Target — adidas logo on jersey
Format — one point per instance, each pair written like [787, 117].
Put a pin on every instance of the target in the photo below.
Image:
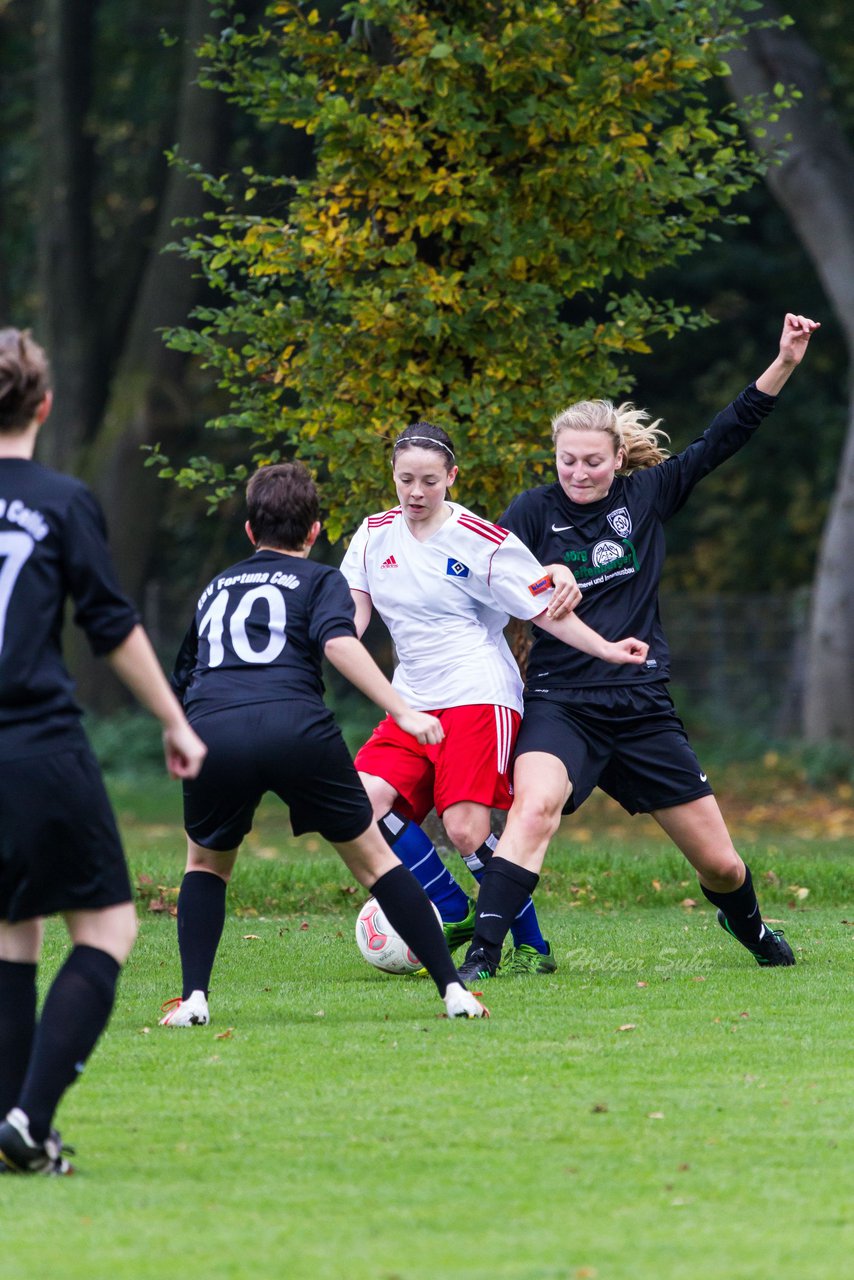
[391, 563]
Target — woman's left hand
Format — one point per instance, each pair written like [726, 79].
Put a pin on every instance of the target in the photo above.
[567, 592]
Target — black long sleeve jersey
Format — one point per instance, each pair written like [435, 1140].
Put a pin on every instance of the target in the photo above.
[53, 547]
[258, 633]
[615, 548]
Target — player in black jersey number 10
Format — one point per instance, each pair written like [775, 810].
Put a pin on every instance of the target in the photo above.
[249, 675]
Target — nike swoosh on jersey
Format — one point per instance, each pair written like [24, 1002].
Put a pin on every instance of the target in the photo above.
[561, 528]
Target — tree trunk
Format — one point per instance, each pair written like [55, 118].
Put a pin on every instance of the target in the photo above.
[814, 186]
[147, 401]
[108, 404]
[67, 319]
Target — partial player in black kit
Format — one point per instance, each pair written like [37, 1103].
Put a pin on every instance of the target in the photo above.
[59, 848]
[589, 724]
[249, 675]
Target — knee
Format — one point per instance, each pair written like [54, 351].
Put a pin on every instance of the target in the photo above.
[465, 834]
[130, 932]
[380, 793]
[724, 873]
[119, 935]
[537, 814]
[213, 861]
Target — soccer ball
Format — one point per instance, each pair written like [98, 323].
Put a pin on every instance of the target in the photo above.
[380, 944]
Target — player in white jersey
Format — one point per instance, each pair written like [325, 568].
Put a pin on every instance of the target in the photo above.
[444, 581]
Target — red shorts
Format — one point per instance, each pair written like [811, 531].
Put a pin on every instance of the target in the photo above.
[471, 763]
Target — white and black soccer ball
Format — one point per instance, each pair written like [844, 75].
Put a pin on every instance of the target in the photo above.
[380, 944]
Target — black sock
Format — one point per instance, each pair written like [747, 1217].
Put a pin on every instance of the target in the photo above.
[17, 1028]
[201, 919]
[75, 1013]
[740, 908]
[503, 891]
[409, 911]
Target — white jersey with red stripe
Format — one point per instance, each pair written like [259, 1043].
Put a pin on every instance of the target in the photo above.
[446, 602]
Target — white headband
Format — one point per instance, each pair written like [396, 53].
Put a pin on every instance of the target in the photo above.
[401, 440]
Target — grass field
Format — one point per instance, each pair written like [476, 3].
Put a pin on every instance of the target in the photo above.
[661, 1108]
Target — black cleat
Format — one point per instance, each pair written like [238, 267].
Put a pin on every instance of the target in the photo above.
[477, 967]
[20, 1154]
[772, 948]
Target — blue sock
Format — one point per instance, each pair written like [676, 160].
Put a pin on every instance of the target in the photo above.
[526, 927]
[416, 851]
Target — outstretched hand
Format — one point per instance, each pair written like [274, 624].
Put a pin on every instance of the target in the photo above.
[794, 340]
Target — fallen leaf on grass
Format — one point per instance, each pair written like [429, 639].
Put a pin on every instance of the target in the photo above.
[655, 1115]
[320, 1013]
[228, 1034]
[641, 984]
[251, 937]
[628, 1026]
[698, 977]
[688, 903]
[305, 925]
[599, 1108]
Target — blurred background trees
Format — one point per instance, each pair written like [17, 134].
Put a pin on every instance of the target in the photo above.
[94, 95]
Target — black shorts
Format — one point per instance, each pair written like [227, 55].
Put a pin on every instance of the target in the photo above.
[294, 749]
[628, 740]
[59, 846]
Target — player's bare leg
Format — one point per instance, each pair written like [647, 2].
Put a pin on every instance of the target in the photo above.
[699, 831]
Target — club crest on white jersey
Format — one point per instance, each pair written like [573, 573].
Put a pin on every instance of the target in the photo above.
[456, 569]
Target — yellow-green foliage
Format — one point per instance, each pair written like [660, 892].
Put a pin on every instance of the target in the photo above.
[491, 180]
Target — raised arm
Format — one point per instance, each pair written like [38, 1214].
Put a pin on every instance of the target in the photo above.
[135, 663]
[794, 340]
[349, 656]
[573, 631]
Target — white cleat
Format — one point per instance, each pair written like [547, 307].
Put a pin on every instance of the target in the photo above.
[460, 1003]
[192, 1012]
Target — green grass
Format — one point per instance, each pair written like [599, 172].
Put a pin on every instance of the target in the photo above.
[660, 1109]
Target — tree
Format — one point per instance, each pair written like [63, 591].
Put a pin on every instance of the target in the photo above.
[101, 203]
[492, 180]
[814, 183]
